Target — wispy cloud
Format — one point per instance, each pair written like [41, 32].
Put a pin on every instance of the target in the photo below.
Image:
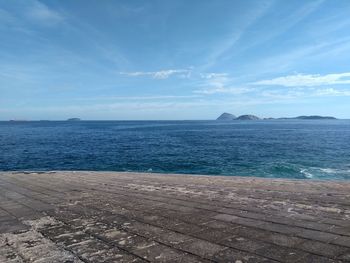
[285, 23]
[28, 17]
[6, 17]
[224, 90]
[141, 98]
[332, 92]
[217, 80]
[307, 80]
[260, 11]
[283, 95]
[187, 73]
[40, 12]
[213, 75]
[298, 94]
[161, 74]
[248, 19]
[219, 83]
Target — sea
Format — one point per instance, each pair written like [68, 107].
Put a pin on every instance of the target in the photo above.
[297, 149]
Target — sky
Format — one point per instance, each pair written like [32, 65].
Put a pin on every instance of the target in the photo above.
[173, 59]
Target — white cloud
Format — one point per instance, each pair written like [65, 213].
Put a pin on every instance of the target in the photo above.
[216, 80]
[308, 80]
[162, 74]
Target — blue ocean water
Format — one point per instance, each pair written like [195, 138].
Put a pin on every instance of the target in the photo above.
[315, 149]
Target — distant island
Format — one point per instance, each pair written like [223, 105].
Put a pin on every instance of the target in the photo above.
[74, 119]
[230, 117]
[226, 117]
[248, 118]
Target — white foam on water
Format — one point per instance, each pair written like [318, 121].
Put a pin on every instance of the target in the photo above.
[335, 171]
[329, 170]
[325, 173]
[306, 173]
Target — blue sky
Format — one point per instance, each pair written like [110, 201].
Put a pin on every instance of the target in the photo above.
[173, 59]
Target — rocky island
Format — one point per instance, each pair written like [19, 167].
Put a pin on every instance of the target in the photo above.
[74, 119]
[248, 118]
[226, 117]
[230, 117]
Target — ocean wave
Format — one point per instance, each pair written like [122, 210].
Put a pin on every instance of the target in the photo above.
[301, 171]
[306, 173]
[325, 173]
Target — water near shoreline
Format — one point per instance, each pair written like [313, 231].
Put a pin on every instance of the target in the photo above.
[284, 148]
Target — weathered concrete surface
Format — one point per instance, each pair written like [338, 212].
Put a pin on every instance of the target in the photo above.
[129, 217]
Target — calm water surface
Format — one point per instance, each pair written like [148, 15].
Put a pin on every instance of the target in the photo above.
[284, 148]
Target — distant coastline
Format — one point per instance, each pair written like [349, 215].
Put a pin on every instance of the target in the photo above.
[25, 120]
[312, 117]
[230, 117]
[74, 119]
[223, 117]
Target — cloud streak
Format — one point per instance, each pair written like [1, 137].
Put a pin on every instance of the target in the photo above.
[224, 90]
[332, 92]
[219, 83]
[41, 12]
[141, 98]
[161, 74]
[249, 18]
[307, 80]
[213, 75]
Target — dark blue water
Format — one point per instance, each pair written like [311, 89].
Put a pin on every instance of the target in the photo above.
[285, 149]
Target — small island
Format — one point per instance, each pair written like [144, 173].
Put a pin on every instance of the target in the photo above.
[74, 119]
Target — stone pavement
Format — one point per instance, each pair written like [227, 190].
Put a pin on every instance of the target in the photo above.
[133, 217]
